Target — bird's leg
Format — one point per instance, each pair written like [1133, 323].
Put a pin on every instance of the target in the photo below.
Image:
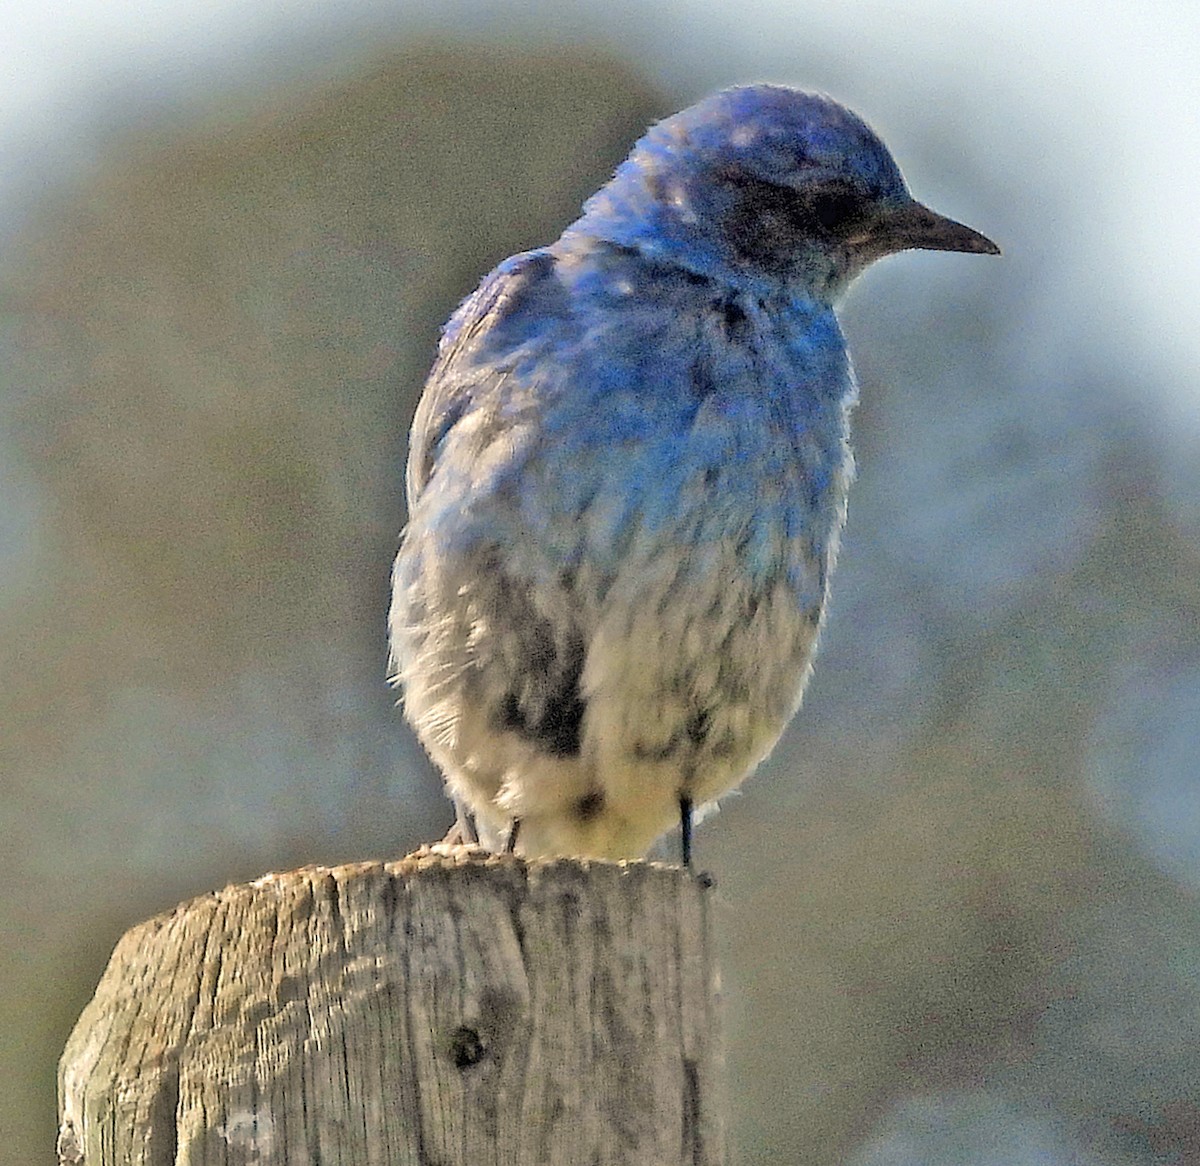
[510, 841]
[685, 830]
[464, 831]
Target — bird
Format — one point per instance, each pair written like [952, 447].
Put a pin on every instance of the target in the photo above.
[628, 474]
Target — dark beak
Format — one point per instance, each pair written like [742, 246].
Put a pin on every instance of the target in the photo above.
[915, 227]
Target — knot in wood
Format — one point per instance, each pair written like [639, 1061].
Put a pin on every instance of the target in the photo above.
[466, 1047]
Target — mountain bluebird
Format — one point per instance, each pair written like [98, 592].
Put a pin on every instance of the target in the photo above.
[627, 478]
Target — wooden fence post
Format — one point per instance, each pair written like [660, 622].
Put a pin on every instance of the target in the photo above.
[446, 1009]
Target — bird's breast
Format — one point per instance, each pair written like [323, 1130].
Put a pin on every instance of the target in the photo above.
[740, 443]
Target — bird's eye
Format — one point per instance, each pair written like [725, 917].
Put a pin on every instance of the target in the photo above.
[834, 211]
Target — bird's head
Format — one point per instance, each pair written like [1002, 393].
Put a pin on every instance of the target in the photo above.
[766, 184]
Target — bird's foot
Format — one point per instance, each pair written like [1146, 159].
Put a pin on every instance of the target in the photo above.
[510, 839]
[685, 830]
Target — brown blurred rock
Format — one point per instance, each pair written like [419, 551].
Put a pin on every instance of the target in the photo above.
[219, 343]
[223, 336]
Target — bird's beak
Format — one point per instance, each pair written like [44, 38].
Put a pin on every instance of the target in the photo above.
[915, 226]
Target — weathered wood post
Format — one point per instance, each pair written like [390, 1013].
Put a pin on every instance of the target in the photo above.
[446, 1009]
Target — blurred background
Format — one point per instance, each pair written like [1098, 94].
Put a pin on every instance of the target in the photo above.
[958, 907]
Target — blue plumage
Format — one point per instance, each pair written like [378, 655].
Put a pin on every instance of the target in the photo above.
[628, 473]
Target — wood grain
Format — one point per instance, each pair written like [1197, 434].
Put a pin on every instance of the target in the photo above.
[448, 1008]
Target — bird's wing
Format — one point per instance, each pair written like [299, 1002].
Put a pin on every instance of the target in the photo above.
[455, 381]
[524, 674]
